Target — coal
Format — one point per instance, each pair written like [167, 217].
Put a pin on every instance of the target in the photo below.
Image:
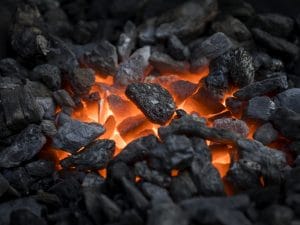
[182, 89]
[73, 135]
[63, 98]
[84, 31]
[18, 217]
[103, 58]
[234, 105]
[260, 108]
[110, 209]
[277, 214]
[6, 188]
[176, 49]
[82, 80]
[275, 24]
[154, 101]
[155, 192]
[233, 28]
[133, 69]
[19, 179]
[279, 45]
[234, 125]
[266, 134]
[146, 33]
[116, 171]
[94, 156]
[48, 127]
[40, 168]
[27, 144]
[11, 68]
[38, 89]
[165, 64]
[50, 75]
[127, 41]
[262, 87]
[289, 99]
[216, 83]
[241, 68]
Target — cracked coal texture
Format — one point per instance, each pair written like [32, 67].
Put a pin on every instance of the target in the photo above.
[154, 101]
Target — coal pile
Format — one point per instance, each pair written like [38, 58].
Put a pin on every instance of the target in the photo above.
[149, 112]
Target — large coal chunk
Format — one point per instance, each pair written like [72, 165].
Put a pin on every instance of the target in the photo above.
[82, 80]
[26, 145]
[266, 134]
[94, 156]
[287, 122]
[40, 168]
[127, 41]
[103, 58]
[50, 75]
[234, 125]
[73, 135]
[279, 45]
[11, 68]
[154, 101]
[260, 108]
[262, 87]
[289, 99]
[241, 67]
[134, 69]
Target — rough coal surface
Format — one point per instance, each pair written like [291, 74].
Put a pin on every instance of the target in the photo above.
[260, 108]
[289, 99]
[82, 80]
[63, 98]
[234, 125]
[266, 134]
[176, 48]
[50, 75]
[154, 101]
[11, 68]
[40, 168]
[127, 41]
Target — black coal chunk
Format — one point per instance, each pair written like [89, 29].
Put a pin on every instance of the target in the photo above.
[116, 171]
[6, 188]
[176, 49]
[287, 122]
[94, 156]
[154, 101]
[155, 192]
[11, 68]
[235, 125]
[127, 41]
[103, 58]
[216, 83]
[50, 75]
[73, 135]
[133, 69]
[260, 108]
[26, 145]
[289, 99]
[48, 127]
[241, 67]
[279, 45]
[82, 80]
[262, 87]
[18, 217]
[40, 168]
[165, 64]
[19, 179]
[271, 161]
[63, 98]
[266, 134]
[277, 215]
[234, 105]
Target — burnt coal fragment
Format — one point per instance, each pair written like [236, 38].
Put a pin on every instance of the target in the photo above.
[84, 31]
[176, 49]
[260, 108]
[234, 105]
[63, 98]
[287, 122]
[116, 171]
[50, 75]
[216, 83]
[19, 179]
[127, 41]
[234, 125]
[289, 99]
[133, 69]
[103, 58]
[262, 87]
[40, 168]
[146, 35]
[154, 101]
[11, 68]
[279, 45]
[48, 107]
[6, 188]
[26, 145]
[182, 89]
[82, 80]
[154, 192]
[73, 135]
[48, 127]
[266, 134]
[241, 69]
[94, 156]
[18, 217]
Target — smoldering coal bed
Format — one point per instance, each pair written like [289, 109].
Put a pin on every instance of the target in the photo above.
[149, 112]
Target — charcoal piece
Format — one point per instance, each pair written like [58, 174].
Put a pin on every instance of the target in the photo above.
[217, 83]
[93, 181]
[116, 171]
[26, 145]
[118, 106]
[289, 99]
[93, 207]
[234, 125]
[42, 184]
[137, 150]
[63, 98]
[244, 175]
[137, 199]
[261, 88]
[19, 179]
[50, 75]
[154, 101]
[234, 105]
[19, 107]
[182, 187]
[201, 149]
[266, 134]
[142, 170]
[165, 64]
[103, 58]
[240, 9]
[94, 156]
[241, 69]
[11, 68]
[146, 33]
[40, 168]
[48, 127]
[134, 69]
[155, 192]
[67, 190]
[110, 209]
[193, 127]
[166, 214]
[233, 28]
[279, 45]
[47, 106]
[73, 135]
[287, 122]
[127, 41]
[206, 178]
[6, 188]
[82, 80]
[92, 97]
[8, 207]
[271, 161]
[176, 49]
[182, 89]
[176, 153]
[277, 215]
[18, 217]
[38, 89]
[260, 108]
[275, 24]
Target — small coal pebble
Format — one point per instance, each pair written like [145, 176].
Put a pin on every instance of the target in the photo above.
[266, 134]
[82, 80]
[48, 74]
[234, 125]
[289, 99]
[260, 108]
